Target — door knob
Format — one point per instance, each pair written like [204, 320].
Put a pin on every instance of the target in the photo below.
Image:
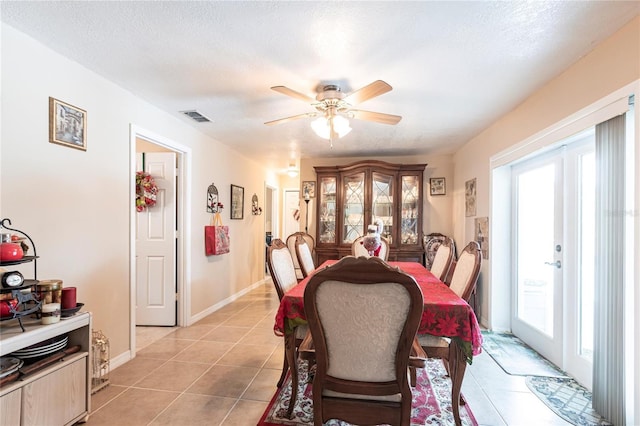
[557, 264]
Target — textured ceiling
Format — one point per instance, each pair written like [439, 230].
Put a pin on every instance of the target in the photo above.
[455, 66]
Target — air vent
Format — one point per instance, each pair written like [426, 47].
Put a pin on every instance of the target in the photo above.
[196, 116]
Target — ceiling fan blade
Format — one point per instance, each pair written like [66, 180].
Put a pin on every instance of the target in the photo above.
[372, 90]
[294, 117]
[290, 92]
[378, 117]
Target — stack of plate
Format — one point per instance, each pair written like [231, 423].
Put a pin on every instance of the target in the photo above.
[9, 365]
[42, 349]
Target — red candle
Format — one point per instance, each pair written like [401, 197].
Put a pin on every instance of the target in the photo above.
[69, 298]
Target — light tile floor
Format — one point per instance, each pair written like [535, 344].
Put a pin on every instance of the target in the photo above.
[223, 371]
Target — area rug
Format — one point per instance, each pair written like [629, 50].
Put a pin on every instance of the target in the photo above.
[431, 404]
[567, 398]
[516, 358]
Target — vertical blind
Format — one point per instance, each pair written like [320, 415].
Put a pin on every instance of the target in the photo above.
[608, 356]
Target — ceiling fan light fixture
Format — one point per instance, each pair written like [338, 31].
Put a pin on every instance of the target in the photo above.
[322, 126]
[341, 125]
[292, 171]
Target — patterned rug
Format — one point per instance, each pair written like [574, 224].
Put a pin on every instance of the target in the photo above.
[431, 403]
[516, 358]
[567, 398]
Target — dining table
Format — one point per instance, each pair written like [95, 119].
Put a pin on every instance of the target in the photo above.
[444, 314]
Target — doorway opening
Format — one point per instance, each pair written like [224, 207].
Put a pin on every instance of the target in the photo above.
[178, 233]
[270, 219]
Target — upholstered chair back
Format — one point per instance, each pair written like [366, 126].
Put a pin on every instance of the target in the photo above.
[430, 244]
[291, 244]
[281, 268]
[443, 259]
[304, 256]
[363, 315]
[467, 269]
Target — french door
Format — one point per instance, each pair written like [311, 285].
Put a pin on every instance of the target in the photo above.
[554, 236]
[538, 245]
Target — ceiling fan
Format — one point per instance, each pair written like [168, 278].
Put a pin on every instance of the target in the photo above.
[334, 108]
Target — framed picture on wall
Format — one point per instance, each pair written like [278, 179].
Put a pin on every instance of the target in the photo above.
[470, 197]
[437, 186]
[67, 125]
[237, 202]
[308, 188]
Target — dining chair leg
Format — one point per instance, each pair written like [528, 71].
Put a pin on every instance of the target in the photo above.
[290, 355]
[285, 367]
[457, 367]
[412, 373]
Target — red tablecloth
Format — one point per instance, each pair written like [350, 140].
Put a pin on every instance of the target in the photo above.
[445, 313]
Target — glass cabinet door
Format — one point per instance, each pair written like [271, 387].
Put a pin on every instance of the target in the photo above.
[353, 221]
[327, 211]
[410, 197]
[382, 202]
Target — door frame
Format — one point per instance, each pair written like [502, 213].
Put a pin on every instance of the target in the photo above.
[580, 368]
[183, 252]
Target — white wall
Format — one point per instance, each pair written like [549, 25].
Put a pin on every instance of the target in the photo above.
[76, 205]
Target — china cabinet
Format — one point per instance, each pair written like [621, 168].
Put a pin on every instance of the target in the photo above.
[351, 197]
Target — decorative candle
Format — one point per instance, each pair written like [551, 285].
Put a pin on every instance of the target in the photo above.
[69, 298]
[50, 313]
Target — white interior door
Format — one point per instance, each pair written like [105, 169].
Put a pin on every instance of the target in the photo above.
[156, 245]
[292, 212]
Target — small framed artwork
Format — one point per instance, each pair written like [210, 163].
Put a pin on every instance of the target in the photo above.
[237, 202]
[308, 189]
[482, 235]
[437, 186]
[67, 125]
[470, 197]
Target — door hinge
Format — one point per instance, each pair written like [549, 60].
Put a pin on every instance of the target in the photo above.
[177, 297]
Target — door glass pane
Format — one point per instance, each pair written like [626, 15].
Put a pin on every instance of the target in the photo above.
[382, 200]
[327, 219]
[353, 221]
[587, 252]
[535, 245]
[410, 197]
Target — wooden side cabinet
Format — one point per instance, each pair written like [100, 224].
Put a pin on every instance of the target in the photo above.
[59, 394]
[353, 196]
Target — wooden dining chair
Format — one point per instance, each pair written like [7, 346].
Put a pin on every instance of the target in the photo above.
[430, 244]
[304, 256]
[283, 275]
[463, 282]
[363, 316]
[291, 244]
[443, 259]
[357, 248]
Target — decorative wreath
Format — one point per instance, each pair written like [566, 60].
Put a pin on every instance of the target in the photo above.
[146, 191]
